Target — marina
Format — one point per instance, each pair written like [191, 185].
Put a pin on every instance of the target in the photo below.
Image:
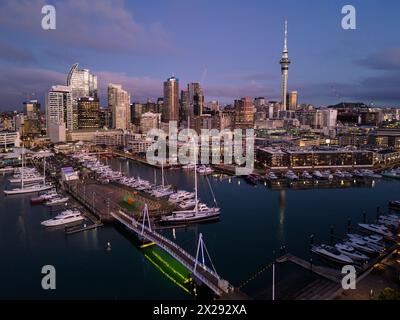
[116, 196]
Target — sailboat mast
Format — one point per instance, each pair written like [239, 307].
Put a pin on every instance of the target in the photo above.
[196, 208]
[44, 170]
[22, 167]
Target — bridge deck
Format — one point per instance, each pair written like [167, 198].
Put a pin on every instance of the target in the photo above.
[203, 273]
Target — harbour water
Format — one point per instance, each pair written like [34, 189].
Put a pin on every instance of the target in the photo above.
[255, 222]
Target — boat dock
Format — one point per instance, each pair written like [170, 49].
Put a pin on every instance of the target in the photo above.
[325, 272]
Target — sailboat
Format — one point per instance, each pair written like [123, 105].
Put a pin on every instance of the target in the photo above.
[200, 213]
[31, 188]
[162, 191]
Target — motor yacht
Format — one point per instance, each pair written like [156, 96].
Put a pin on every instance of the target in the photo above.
[379, 229]
[371, 238]
[395, 205]
[332, 253]
[65, 217]
[362, 245]
[57, 201]
[318, 175]
[271, 176]
[180, 196]
[290, 175]
[306, 175]
[351, 252]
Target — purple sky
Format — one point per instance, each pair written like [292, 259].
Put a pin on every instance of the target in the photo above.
[231, 47]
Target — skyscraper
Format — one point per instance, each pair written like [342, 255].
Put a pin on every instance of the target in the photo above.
[170, 110]
[82, 82]
[32, 125]
[119, 102]
[196, 99]
[244, 110]
[88, 113]
[285, 62]
[292, 100]
[59, 115]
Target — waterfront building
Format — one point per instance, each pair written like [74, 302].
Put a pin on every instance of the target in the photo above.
[170, 109]
[285, 62]
[59, 112]
[314, 158]
[149, 121]
[244, 110]
[9, 139]
[88, 113]
[120, 106]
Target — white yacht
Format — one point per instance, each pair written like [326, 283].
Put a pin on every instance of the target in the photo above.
[189, 166]
[372, 238]
[347, 174]
[180, 196]
[29, 178]
[187, 204]
[271, 176]
[389, 221]
[65, 217]
[44, 197]
[205, 170]
[317, 175]
[7, 170]
[351, 252]
[306, 175]
[290, 175]
[57, 201]
[379, 229]
[332, 254]
[370, 174]
[362, 245]
[339, 174]
[202, 214]
[30, 189]
[358, 174]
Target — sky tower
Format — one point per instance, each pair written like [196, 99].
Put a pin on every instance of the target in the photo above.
[285, 70]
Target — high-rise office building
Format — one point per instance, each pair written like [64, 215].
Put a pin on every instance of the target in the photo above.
[59, 114]
[82, 82]
[184, 105]
[285, 62]
[292, 99]
[105, 118]
[259, 103]
[170, 110]
[32, 125]
[196, 99]
[119, 102]
[88, 113]
[244, 110]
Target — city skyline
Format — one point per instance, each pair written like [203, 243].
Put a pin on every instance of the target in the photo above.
[140, 50]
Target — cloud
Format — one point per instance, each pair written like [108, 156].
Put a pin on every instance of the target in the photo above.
[104, 25]
[10, 53]
[388, 59]
[17, 82]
